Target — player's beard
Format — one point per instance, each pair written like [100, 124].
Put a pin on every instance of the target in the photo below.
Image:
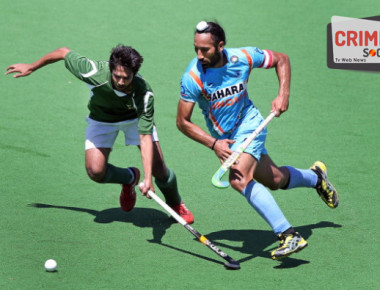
[213, 61]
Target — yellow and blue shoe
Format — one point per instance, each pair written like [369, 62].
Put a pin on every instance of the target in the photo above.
[324, 187]
[289, 244]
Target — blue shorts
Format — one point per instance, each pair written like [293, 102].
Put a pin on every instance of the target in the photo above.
[245, 127]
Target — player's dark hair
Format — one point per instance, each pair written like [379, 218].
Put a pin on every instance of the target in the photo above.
[216, 31]
[125, 56]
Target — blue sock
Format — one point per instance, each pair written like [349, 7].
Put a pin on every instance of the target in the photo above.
[263, 202]
[301, 178]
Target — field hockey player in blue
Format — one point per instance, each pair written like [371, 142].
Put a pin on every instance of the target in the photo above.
[217, 80]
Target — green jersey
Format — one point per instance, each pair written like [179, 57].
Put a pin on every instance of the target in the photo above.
[107, 104]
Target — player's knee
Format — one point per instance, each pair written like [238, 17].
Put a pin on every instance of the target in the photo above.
[160, 173]
[95, 174]
[238, 183]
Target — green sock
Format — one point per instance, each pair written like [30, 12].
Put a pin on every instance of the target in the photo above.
[169, 189]
[118, 175]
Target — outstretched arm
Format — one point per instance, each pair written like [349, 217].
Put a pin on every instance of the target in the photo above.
[281, 63]
[24, 69]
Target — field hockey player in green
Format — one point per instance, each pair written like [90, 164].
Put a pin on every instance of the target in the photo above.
[120, 100]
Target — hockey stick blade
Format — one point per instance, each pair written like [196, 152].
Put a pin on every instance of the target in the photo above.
[230, 264]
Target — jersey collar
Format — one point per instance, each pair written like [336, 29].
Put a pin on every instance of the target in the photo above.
[119, 94]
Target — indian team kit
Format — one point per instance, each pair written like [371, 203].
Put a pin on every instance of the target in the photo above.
[222, 96]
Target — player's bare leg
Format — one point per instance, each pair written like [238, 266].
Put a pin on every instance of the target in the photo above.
[99, 170]
[166, 181]
[159, 170]
[287, 177]
[96, 163]
[263, 202]
[271, 176]
[242, 171]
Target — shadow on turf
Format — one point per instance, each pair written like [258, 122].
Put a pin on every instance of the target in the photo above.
[188, 252]
[255, 242]
[140, 217]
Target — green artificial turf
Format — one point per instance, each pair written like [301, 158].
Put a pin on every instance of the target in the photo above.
[50, 209]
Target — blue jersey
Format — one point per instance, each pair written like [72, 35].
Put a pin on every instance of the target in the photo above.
[221, 93]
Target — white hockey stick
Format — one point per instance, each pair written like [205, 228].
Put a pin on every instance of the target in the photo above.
[230, 264]
[216, 179]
